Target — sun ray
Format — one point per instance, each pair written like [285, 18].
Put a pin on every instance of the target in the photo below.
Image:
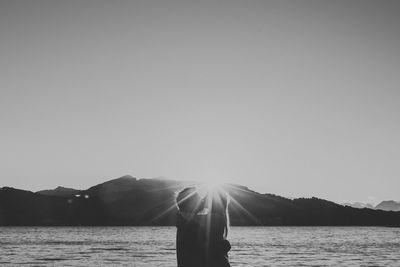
[174, 206]
[172, 187]
[214, 189]
[248, 213]
[170, 208]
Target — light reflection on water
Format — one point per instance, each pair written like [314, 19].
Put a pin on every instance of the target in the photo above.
[155, 246]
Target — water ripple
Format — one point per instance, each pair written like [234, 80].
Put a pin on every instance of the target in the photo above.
[155, 246]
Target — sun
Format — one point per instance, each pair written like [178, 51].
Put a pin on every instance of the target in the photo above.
[205, 188]
[210, 186]
[212, 179]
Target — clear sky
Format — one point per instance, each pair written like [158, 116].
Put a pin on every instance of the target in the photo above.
[295, 98]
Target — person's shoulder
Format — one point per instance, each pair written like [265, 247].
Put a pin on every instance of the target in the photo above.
[189, 219]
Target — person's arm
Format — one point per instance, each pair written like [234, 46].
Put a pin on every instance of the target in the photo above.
[218, 244]
[224, 246]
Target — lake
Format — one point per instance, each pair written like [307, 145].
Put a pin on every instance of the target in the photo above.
[155, 246]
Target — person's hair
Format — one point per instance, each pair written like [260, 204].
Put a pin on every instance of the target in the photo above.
[187, 199]
[219, 205]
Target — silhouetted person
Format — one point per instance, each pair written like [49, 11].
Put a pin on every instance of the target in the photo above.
[216, 228]
[202, 228]
[189, 236]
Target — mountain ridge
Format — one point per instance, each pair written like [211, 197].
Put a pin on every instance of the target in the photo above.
[387, 205]
[58, 191]
[131, 201]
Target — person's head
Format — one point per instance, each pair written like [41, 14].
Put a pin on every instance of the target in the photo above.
[188, 200]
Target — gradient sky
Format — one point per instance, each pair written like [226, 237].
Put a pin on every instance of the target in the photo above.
[295, 98]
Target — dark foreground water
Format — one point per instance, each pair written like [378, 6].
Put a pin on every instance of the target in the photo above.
[155, 246]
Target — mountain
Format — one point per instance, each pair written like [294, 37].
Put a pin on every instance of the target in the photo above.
[130, 201]
[359, 205]
[388, 205]
[59, 191]
[20, 207]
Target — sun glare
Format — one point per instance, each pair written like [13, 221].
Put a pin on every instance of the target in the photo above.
[210, 187]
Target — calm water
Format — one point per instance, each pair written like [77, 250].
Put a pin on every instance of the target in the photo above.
[154, 246]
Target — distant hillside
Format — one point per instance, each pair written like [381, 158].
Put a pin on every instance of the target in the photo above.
[59, 191]
[388, 205]
[131, 201]
[19, 207]
[360, 205]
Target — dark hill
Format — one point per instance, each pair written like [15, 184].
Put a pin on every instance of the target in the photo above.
[19, 207]
[59, 191]
[359, 205]
[131, 201]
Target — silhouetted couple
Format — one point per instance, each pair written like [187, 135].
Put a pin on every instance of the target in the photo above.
[202, 228]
